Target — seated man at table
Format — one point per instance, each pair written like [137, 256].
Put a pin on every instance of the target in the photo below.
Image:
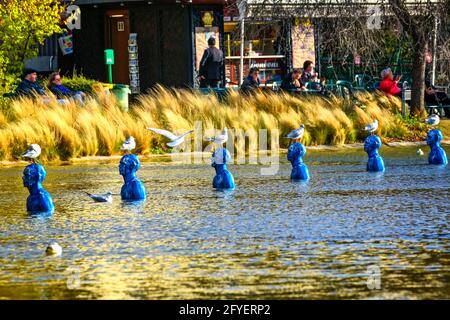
[292, 81]
[251, 83]
[436, 97]
[388, 84]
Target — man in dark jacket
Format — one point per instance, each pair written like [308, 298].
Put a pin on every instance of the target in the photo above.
[29, 87]
[251, 83]
[292, 81]
[211, 65]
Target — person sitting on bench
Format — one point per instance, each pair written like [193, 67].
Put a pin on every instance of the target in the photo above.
[388, 84]
[29, 87]
[61, 92]
[435, 97]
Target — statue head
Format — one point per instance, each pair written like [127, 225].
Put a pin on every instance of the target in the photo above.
[33, 175]
[372, 143]
[129, 164]
[434, 137]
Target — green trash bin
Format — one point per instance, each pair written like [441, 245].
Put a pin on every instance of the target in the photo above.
[121, 92]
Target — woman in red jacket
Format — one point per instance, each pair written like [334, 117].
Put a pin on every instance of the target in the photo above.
[388, 84]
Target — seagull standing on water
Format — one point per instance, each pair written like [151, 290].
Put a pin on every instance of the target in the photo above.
[33, 151]
[433, 120]
[419, 152]
[297, 133]
[372, 127]
[221, 139]
[128, 144]
[106, 197]
[174, 139]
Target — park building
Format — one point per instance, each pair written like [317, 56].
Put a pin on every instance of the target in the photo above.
[162, 41]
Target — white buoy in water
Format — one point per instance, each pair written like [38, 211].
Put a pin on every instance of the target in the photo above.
[53, 249]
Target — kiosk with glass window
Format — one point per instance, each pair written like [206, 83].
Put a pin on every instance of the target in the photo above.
[262, 49]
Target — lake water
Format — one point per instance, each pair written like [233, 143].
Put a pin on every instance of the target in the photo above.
[344, 234]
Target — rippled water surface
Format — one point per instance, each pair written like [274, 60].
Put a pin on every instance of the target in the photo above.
[269, 238]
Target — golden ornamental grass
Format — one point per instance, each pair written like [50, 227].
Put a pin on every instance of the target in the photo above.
[100, 126]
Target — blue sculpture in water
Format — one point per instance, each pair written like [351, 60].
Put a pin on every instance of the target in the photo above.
[39, 200]
[133, 188]
[223, 178]
[296, 152]
[371, 146]
[437, 153]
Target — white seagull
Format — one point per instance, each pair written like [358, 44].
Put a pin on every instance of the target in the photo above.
[129, 144]
[53, 249]
[419, 152]
[433, 120]
[174, 139]
[297, 133]
[106, 197]
[221, 139]
[33, 151]
[372, 127]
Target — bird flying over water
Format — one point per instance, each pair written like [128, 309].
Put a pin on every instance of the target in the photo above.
[433, 120]
[174, 139]
[106, 197]
[33, 151]
[297, 133]
[221, 139]
[129, 144]
[372, 127]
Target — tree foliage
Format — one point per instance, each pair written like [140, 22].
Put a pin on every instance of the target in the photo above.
[24, 25]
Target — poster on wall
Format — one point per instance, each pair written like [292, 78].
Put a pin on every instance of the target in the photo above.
[202, 34]
[303, 43]
[66, 44]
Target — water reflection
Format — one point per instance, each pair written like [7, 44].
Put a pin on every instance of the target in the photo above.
[269, 238]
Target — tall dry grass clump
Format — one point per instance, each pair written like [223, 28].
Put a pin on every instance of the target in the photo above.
[99, 127]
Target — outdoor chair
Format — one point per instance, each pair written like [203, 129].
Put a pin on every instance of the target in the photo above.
[344, 89]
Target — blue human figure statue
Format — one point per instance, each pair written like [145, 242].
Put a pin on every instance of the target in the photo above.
[371, 146]
[223, 179]
[133, 188]
[296, 152]
[437, 154]
[39, 200]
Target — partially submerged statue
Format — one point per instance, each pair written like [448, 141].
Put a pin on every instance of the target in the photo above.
[133, 188]
[437, 154]
[39, 200]
[371, 146]
[223, 178]
[296, 152]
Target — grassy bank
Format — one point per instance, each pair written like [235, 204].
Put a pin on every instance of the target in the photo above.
[99, 128]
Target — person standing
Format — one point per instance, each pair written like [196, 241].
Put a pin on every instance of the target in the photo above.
[211, 65]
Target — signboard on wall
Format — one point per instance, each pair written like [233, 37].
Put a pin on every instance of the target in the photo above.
[303, 43]
[133, 63]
